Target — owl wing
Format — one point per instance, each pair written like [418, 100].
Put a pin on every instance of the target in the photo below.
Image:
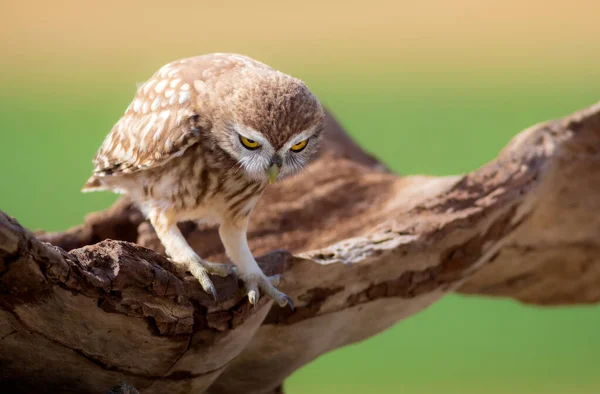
[142, 141]
[160, 124]
[164, 118]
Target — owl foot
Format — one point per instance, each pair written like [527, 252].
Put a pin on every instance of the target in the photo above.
[256, 281]
[222, 270]
[201, 270]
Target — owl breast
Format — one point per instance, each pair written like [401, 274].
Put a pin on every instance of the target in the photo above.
[200, 184]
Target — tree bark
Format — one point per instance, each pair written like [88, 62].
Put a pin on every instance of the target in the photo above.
[85, 309]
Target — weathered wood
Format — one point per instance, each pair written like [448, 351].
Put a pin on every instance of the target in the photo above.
[81, 312]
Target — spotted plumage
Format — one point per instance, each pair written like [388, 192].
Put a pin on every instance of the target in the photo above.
[201, 140]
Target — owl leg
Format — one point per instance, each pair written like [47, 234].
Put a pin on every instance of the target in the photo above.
[233, 236]
[181, 252]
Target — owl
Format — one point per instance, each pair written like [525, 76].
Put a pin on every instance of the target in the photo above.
[202, 139]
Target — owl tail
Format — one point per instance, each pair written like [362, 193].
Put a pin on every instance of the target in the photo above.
[94, 184]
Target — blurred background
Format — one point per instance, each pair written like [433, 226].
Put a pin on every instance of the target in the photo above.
[436, 87]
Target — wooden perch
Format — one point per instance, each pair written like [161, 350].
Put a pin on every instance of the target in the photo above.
[86, 309]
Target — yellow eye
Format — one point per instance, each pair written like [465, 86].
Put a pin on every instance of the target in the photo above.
[299, 146]
[249, 144]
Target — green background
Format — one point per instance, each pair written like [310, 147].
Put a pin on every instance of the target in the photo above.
[461, 344]
[445, 104]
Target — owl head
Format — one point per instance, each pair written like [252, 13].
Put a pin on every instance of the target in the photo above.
[268, 122]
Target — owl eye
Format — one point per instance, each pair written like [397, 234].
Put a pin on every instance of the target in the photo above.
[248, 143]
[299, 146]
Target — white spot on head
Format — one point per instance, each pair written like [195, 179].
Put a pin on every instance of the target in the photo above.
[160, 86]
[172, 73]
[175, 82]
[173, 99]
[169, 93]
[185, 86]
[145, 107]
[183, 97]
[242, 60]
[200, 86]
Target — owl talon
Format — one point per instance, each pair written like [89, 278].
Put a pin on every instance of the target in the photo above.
[253, 293]
[207, 285]
[253, 297]
[254, 282]
[289, 301]
[212, 291]
[200, 271]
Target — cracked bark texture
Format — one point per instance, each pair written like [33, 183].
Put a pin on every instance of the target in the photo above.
[360, 249]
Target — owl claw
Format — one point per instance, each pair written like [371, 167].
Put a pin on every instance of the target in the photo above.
[254, 282]
[253, 297]
[289, 302]
[253, 293]
[201, 272]
[212, 291]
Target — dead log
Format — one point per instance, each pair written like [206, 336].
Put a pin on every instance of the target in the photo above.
[98, 304]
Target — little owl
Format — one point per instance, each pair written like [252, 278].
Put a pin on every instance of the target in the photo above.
[201, 140]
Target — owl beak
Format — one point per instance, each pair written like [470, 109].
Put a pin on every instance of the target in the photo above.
[273, 172]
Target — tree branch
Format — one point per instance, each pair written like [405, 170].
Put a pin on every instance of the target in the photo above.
[98, 304]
